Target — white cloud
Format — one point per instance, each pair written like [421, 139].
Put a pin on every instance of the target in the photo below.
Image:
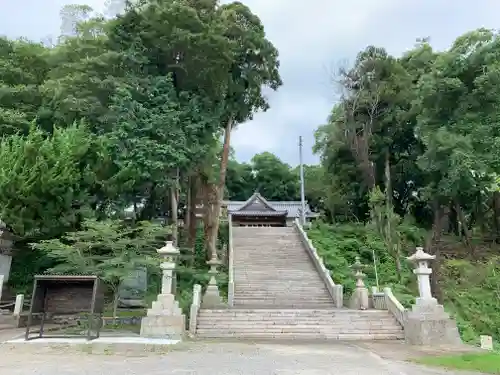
[311, 37]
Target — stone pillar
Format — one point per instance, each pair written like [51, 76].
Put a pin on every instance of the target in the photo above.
[211, 298]
[18, 307]
[165, 319]
[359, 298]
[427, 323]
[1, 286]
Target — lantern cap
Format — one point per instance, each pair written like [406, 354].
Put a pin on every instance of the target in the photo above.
[168, 249]
[420, 255]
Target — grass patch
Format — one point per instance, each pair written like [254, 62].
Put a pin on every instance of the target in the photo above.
[488, 363]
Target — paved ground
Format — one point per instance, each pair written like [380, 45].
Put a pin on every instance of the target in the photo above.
[209, 358]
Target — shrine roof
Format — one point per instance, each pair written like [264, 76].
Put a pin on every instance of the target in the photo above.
[257, 205]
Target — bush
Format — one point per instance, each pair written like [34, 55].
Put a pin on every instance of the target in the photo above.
[471, 290]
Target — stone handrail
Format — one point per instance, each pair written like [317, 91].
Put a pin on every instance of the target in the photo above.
[230, 285]
[195, 308]
[335, 290]
[394, 306]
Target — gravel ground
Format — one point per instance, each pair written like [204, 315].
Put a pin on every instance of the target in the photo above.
[211, 358]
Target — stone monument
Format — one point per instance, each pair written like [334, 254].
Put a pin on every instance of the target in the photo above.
[165, 319]
[427, 323]
[359, 298]
[133, 289]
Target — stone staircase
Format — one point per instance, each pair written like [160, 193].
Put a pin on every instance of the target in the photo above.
[305, 324]
[272, 269]
[279, 294]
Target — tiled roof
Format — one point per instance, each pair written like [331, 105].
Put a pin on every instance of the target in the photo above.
[259, 213]
[293, 208]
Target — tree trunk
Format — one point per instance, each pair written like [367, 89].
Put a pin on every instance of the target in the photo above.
[116, 299]
[389, 214]
[496, 215]
[220, 190]
[464, 228]
[192, 204]
[208, 204]
[432, 246]
[174, 214]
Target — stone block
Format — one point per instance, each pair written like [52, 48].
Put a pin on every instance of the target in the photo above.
[359, 299]
[212, 299]
[163, 326]
[18, 307]
[428, 324]
[486, 342]
[5, 265]
[165, 305]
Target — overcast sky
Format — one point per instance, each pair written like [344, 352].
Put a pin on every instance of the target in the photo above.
[312, 37]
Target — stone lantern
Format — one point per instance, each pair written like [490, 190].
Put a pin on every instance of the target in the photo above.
[169, 254]
[165, 319]
[423, 271]
[427, 323]
[212, 299]
[359, 298]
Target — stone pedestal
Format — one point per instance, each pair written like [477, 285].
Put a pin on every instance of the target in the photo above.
[165, 319]
[359, 299]
[427, 323]
[211, 298]
[430, 325]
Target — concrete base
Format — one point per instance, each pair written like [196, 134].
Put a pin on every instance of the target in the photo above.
[428, 324]
[163, 326]
[164, 319]
[212, 299]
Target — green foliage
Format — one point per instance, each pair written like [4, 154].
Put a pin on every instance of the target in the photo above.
[43, 182]
[339, 244]
[472, 293]
[109, 249]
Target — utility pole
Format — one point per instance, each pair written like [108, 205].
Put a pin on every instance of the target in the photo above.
[302, 193]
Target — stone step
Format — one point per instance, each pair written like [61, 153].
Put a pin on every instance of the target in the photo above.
[303, 336]
[309, 283]
[257, 300]
[290, 288]
[296, 329]
[248, 290]
[300, 293]
[256, 303]
[276, 294]
[334, 312]
[318, 319]
[311, 324]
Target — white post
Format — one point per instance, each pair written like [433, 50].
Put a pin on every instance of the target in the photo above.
[423, 272]
[1, 286]
[18, 307]
[302, 188]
